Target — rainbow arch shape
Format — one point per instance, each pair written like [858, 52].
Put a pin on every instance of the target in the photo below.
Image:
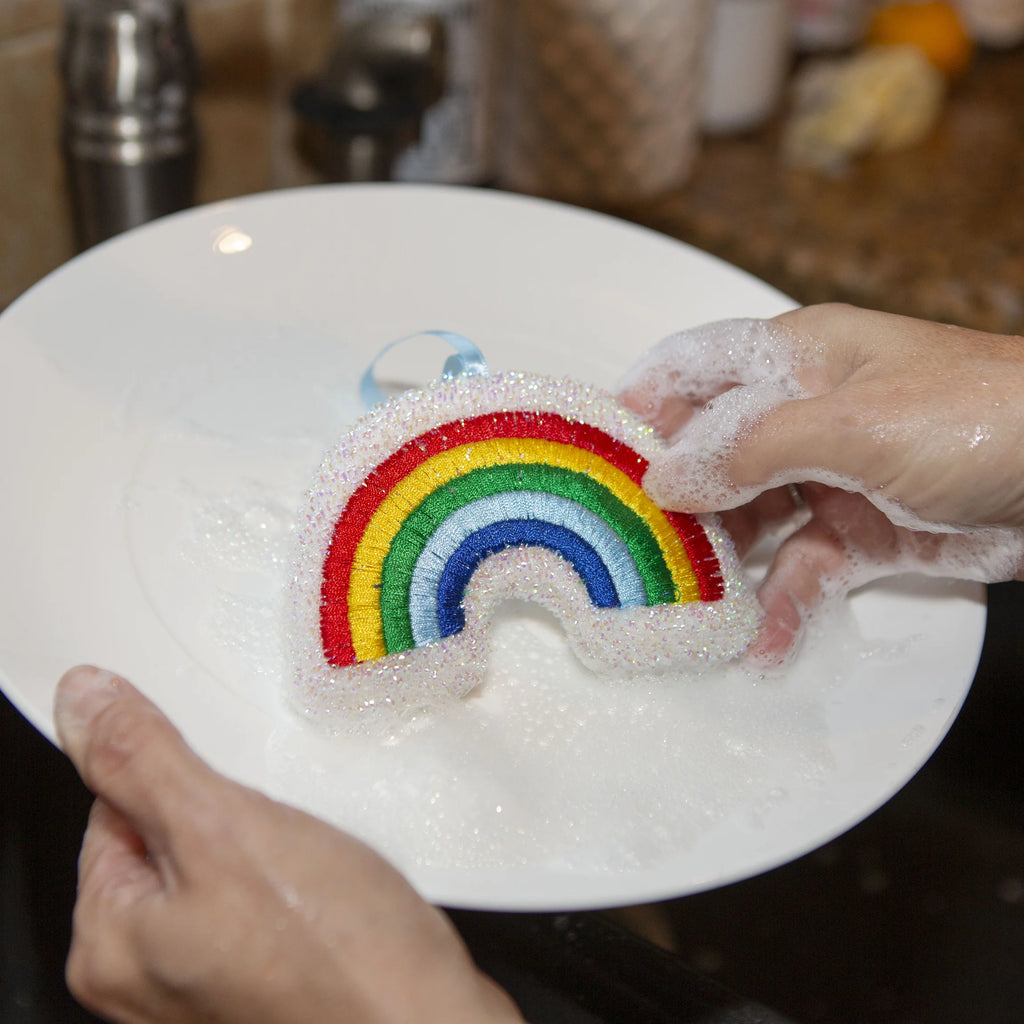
[441, 504]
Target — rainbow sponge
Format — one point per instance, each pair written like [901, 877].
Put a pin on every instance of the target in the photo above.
[442, 503]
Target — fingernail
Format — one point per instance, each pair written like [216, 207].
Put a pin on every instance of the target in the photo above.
[82, 694]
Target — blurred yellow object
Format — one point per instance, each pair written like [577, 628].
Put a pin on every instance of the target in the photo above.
[933, 26]
[882, 98]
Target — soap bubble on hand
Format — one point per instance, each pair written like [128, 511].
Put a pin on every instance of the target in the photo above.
[747, 405]
[704, 389]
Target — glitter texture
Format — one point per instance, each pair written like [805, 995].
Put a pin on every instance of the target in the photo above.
[440, 505]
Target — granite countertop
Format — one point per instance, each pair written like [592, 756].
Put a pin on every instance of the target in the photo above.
[935, 231]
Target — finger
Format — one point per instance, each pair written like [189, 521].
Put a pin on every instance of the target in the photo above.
[667, 419]
[853, 334]
[132, 757]
[749, 523]
[846, 543]
[781, 629]
[771, 409]
[754, 438]
[831, 438]
[696, 473]
[990, 555]
[809, 568]
[114, 875]
[113, 854]
[698, 364]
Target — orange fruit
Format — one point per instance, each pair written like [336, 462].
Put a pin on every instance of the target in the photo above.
[932, 25]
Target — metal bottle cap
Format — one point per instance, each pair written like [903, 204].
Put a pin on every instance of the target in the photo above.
[129, 69]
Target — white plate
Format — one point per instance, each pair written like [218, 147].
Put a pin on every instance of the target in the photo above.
[164, 399]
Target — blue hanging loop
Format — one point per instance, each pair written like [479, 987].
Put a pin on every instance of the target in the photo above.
[467, 361]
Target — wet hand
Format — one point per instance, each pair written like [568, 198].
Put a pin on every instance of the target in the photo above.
[202, 901]
[875, 443]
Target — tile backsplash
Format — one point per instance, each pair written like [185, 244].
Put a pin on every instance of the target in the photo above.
[251, 53]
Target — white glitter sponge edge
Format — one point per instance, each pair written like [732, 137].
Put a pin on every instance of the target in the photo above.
[617, 640]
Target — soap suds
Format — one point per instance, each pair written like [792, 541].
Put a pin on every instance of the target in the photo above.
[545, 763]
[743, 369]
[548, 765]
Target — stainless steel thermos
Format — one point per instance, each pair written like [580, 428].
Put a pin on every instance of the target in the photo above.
[129, 138]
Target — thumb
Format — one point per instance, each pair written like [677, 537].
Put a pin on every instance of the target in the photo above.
[131, 756]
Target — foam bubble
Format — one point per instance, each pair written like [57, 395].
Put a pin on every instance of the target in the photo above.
[240, 532]
[546, 765]
[704, 361]
[733, 373]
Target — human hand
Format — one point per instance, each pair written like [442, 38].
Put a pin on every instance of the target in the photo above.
[202, 901]
[882, 444]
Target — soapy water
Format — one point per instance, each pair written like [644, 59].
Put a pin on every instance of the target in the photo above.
[545, 763]
[246, 535]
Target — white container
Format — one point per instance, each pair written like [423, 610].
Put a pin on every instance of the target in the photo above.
[746, 63]
[995, 23]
